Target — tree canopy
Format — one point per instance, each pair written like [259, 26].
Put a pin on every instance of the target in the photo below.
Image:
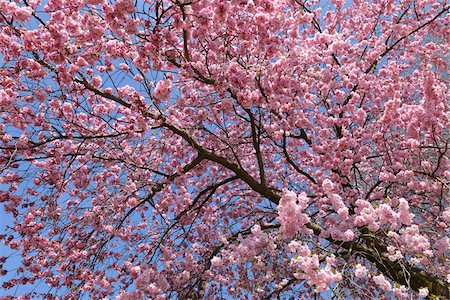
[216, 149]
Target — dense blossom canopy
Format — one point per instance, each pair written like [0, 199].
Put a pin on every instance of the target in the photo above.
[254, 149]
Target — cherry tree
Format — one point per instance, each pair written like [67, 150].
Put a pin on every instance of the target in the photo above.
[254, 149]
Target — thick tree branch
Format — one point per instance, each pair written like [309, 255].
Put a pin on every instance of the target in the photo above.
[256, 145]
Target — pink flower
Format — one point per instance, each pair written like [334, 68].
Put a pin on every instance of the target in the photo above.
[96, 81]
[328, 185]
[360, 271]
[386, 215]
[381, 281]
[404, 215]
[40, 95]
[124, 67]
[162, 89]
[135, 271]
[446, 215]
[216, 261]
[81, 62]
[290, 213]
[67, 109]
[349, 235]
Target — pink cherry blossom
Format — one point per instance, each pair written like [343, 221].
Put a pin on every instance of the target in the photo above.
[327, 185]
[162, 89]
[360, 271]
[291, 213]
[381, 281]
